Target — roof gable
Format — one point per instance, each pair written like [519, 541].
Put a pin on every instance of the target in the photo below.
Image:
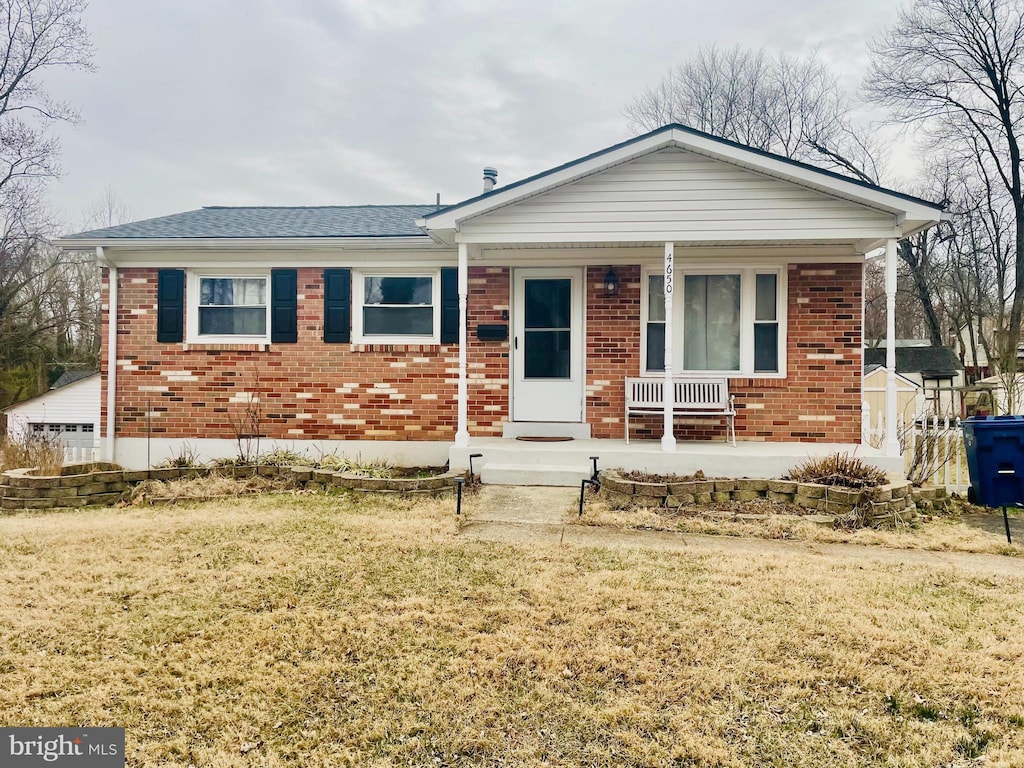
[677, 194]
[910, 213]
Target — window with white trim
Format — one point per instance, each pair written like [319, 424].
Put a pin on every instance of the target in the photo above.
[727, 322]
[396, 308]
[228, 307]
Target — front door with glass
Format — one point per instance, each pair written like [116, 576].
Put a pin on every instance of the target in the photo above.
[547, 364]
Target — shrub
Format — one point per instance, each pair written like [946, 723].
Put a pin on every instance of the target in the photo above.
[186, 458]
[32, 451]
[839, 469]
[281, 457]
[357, 466]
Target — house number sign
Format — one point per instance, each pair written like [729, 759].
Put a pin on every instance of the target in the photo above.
[668, 271]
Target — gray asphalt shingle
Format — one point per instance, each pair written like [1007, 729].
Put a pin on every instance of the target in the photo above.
[926, 360]
[270, 222]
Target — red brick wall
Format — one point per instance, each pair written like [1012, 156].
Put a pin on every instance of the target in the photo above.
[312, 390]
[308, 390]
[613, 347]
[489, 292]
[818, 401]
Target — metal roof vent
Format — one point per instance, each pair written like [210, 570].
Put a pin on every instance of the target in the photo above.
[490, 178]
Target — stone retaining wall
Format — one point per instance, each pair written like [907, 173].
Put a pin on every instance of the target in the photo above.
[104, 484]
[881, 505]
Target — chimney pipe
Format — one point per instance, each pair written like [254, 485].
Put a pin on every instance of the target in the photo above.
[490, 178]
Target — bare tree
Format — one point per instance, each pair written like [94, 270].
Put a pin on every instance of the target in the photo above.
[790, 106]
[953, 69]
[35, 36]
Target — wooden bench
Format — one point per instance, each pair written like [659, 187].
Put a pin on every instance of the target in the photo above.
[691, 397]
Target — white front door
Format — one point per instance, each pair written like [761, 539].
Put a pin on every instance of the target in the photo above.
[547, 345]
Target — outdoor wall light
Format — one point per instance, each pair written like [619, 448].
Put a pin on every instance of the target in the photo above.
[611, 283]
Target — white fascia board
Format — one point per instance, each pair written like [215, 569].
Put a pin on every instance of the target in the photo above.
[140, 253]
[250, 243]
[738, 156]
[823, 236]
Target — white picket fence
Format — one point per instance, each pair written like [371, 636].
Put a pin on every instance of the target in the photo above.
[933, 447]
[74, 454]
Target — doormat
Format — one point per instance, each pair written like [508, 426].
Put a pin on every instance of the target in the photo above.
[540, 439]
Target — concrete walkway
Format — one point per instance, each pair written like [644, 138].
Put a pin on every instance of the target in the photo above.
[542, 516]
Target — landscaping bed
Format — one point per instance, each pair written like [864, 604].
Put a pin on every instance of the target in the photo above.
[888, 504]
[106, 484]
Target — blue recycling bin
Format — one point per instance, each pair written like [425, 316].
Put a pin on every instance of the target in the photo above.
[995, 459]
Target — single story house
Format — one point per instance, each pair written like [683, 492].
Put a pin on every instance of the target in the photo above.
[427, 333]
[935, 369]
[68, 412]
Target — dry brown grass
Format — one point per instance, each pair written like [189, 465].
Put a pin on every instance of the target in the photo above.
[942, 533]
[211, 486]
[316, 631]
[34, 451]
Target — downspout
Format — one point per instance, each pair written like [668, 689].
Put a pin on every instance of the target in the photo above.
[108, 431]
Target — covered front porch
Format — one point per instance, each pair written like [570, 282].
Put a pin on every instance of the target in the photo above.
[733, 264]
[516, 462]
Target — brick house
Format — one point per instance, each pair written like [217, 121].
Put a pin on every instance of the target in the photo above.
[423, 333]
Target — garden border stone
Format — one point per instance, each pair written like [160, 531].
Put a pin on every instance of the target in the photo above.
[103, 483]
[884, 505]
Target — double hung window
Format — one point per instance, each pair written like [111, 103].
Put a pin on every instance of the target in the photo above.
[723, 322]
[396, 308]
[229, 307]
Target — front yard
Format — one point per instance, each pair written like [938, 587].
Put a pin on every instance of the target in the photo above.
[310, 630]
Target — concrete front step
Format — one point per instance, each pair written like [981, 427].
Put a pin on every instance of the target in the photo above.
[514, 429]
[534, 474]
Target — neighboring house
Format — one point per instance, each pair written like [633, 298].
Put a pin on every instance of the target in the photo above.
[935, 369]
[976, 363]
[69, 412]
[424, 332]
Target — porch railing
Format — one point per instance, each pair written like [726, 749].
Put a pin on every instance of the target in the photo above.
[933, 447]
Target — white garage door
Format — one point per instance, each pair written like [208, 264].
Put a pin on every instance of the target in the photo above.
[78, 439]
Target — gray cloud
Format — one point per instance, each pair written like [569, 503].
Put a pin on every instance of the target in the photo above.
[387, 101]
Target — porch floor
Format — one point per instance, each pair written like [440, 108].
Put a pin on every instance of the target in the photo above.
[515, 462]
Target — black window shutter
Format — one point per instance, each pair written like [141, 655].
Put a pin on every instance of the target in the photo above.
[170, 305]
[449, 306]
[284, 306]
[337, 306]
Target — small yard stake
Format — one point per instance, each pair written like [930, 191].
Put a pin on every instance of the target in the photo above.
[593, 475]
[471, 457]
[1006, 524]
[459, 482]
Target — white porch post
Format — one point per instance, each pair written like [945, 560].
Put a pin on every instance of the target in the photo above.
[892, 441]
[462, 432]
[668, 440]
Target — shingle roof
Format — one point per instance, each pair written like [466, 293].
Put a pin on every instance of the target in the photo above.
[270, 222]
[70, 377]
[932, 361]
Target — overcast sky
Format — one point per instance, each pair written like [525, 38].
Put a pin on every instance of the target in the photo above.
[327, 102]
